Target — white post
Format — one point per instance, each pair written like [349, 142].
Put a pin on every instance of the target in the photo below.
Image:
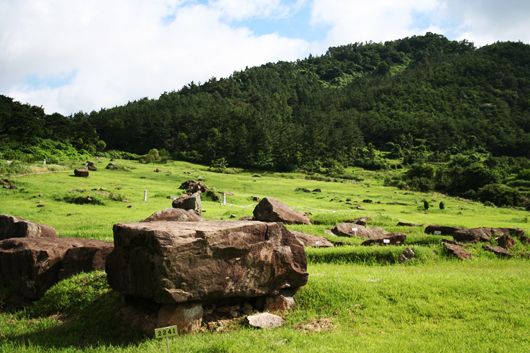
[224, 198]
[145, 195]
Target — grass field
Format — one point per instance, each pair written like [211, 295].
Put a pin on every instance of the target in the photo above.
[365, 301]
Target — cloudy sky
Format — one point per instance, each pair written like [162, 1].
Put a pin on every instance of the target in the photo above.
[72, 55]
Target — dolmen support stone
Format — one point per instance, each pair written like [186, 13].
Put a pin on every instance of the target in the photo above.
[30, 266]
[272, 210]
[16, 227]
[180, 262]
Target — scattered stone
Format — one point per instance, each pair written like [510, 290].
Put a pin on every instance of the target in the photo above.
[312, 240]
[397, 203]
[81, 172]
[271, 210]
[279, 303]
[360, 208]
[189, 202]
[360, 221]
[7, 184]
[317, 190]
[408, 224]
[157, 170]
[232, 216]
[506, 241]
[302, 190]
[473, 235]
[357, 230]
[30, 266]
[407, 255]
[255, 198]
[175, 262]
[91, 166]
[497, 250]
[456, 250]
[15, 227]
[112, 166]
[441, 230]
[264, 320]
[318, 325]
[367, 201]
[192, 186]
[129, 206]
[173, 215]
[187, 317]
[388, 239]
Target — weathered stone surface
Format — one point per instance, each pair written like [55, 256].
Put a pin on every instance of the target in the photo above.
[89, 256]
[81, 172]
[360, 221]
[192, 186]
[479, 234]
[174, 215]
[271, 210]
[441, 230]
[187, 317]
[356, 230]
[189, 202]
[497, 250]
[175, 262]
[408, 224]
[456, 250]
[264, 320]
[31, 265]
[279, 303]
[15, 227]
[506, 241]
[406, 255]
[312, 240]
[388, 239]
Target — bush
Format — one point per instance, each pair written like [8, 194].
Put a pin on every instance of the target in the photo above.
[500, 195]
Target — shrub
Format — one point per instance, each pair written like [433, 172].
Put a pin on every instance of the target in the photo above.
[500, 195]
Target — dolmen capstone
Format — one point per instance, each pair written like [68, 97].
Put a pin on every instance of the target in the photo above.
[16, 227]
[81, 172]
[186, 267]
[309, 240]
[272, 210]
[347, 229]
[29, 266]
[485, 234]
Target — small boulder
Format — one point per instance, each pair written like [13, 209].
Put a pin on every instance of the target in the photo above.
[388, 239]
[357, 230]
[456, 250]
[360, 221]
[506, 241]
[7, 184]
[279, 303]
[192, 186]
[271, 210]
[264, 320]
[497, 250]
[14, 227]
[309, 240]
[473, 235]
[91, 166]
[317, 190]
[189, 202]
[174, 215]
[407, 255]
[81, 172]
[112, 166]
[441, 230]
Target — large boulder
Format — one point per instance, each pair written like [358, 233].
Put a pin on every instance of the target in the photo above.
[357, 230]
[176, 262]
[174, 215]
[189, 202]
[309, 240]
[271, 210]
[473, 235]
[441, 230]
[30, 266]
[15, 227]
[81, 172]
[388, 239]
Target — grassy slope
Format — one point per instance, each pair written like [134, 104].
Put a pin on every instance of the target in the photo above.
[433, 305]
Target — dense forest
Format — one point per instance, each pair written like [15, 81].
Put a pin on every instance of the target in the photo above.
[419, 98]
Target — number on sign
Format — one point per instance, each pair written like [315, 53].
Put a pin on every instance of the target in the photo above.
[169, 331]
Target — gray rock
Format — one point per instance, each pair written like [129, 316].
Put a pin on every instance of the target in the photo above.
[264, 320]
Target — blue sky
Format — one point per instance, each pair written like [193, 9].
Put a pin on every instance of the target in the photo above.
[72, 55]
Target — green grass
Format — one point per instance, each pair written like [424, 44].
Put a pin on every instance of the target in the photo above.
[430, 304]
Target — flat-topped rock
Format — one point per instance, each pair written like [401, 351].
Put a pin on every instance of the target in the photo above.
[271, 210]
[309, 240]
[175, 262]
[357, 230]
[388, 239]
[497, 250]
[174, 215]
[456, 250]
[16, 227]
[441, 230]
[30, 266]
[189, 202]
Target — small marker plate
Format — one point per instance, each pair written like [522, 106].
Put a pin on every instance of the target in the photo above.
[437, 232]
[168, 331]
[386, 241]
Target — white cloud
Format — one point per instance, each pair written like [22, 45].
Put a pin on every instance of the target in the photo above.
[122, 49]
[245, 9]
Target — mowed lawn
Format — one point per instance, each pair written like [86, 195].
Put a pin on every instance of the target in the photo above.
[433, 304]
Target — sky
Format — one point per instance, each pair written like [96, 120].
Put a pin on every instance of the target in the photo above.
[83, 55]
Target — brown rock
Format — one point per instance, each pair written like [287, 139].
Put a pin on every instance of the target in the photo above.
[441, 230]
[271, 210]
[506, 241]
[497, 250]
[408, 224]
[264, 320]
[312, 240]
[15, 227]
[90, 256]
[174, 215]
[192, 186]
[187, 317]
[468, 235]
[81, 172]
[30, 266]
[175, 262]
[189, 202]
[388, 239]
[91, 166]
[360, 221]
[356, 230]
[279, 303]
[7, 184]
[456, 250]
[406, 255]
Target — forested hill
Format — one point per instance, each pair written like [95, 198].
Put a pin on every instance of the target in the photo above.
[420, 92]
